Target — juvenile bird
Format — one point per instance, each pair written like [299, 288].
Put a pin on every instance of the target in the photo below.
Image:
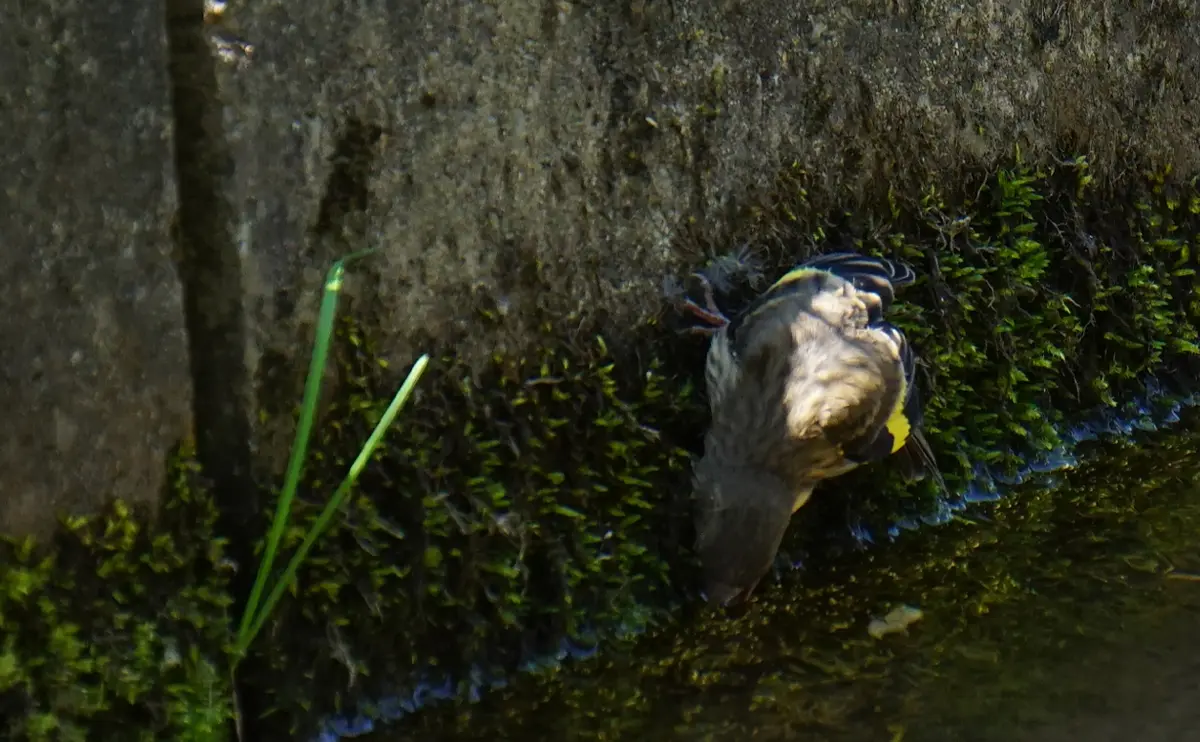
[807, 383]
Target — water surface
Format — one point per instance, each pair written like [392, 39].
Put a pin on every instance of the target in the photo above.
[1067, 610]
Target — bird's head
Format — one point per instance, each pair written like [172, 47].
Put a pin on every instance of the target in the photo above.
[741, 515]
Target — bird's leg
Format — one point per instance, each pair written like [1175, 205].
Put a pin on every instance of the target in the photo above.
[710, 313]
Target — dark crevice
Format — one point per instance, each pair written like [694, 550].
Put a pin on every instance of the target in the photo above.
[337, 231]
[348, 189]
[210, 267]
[211, 275]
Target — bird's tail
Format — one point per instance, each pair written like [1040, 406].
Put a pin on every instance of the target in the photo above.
[875, 280]
[916, 460]
[916, 457]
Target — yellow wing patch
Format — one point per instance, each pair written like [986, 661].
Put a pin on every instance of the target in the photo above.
[801, 498]
[794, 275]
[900, 429]
[898, 424]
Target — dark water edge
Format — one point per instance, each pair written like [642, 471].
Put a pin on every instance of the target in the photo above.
[1064, 611]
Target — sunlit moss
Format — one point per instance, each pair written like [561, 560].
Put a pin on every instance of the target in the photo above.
[1039, 296]
[545, 499]
[537, 501]
[118, 631]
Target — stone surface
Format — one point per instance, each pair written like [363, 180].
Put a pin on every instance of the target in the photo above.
[94, 380]
[556, 156]
[569, 156]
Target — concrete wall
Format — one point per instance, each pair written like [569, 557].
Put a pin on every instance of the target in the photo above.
[555, 155]
[94, 381]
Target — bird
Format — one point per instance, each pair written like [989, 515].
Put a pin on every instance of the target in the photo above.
[807, 383]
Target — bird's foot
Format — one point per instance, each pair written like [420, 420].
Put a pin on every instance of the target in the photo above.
[710, 314]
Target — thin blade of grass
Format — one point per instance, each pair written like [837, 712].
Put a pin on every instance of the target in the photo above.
[335, 502]
[312, 390]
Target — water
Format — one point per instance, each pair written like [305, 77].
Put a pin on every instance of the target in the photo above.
[1067, 609]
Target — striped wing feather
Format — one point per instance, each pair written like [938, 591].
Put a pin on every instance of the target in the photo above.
[875, 278]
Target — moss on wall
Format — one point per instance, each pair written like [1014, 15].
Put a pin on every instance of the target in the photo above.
[1041, 294]
[118, 631]
[538, 502]
[540, 505]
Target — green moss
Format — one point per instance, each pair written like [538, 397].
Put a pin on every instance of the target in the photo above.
[1041, 296]
[536, 500]
[546, 497]
[118, 631]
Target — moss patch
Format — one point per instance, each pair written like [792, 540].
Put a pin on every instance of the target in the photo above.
[119, 631]
[541, 506]
[541, 503]
[1041, 295]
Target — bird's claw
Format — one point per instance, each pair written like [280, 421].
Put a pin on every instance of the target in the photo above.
[710, 314]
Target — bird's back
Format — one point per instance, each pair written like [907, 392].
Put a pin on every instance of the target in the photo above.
[803, 373]
[842, 387]
[806, 383]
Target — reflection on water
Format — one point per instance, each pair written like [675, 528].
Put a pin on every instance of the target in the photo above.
[1067, 610]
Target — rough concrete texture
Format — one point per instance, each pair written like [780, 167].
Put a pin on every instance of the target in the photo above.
[94, 382]
[569, 156]
[545, 155]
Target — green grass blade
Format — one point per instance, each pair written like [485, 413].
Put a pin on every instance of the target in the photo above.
[312, 390]
[335, 502]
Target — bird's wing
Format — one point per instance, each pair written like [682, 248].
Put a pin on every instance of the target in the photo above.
[814, 348]
[878, 277]
[899, 411]
[852, 386]
[916, 457]
[900, 432]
